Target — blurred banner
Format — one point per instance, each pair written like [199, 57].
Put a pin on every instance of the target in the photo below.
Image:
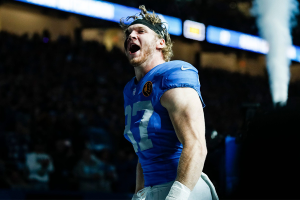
[103, 10]
[244, 41]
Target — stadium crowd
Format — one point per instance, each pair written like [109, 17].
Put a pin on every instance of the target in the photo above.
[62, 115]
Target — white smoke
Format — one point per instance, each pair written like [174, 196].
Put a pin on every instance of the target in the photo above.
[275, 18]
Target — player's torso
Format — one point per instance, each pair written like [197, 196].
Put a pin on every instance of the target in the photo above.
[147, 123]
[148, 126]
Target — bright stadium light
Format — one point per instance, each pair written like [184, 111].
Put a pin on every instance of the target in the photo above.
[83, 7]
[224, 37]
[238, 40]
[194, 30]
[103, 10]
[253, 43]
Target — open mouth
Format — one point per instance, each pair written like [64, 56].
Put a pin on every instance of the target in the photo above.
[133, 48]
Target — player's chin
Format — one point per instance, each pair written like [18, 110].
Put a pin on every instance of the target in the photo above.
[135, 62]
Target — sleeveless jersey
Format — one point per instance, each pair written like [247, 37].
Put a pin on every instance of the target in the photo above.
[147, 123]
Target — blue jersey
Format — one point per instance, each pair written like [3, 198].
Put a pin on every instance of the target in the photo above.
[148, 125]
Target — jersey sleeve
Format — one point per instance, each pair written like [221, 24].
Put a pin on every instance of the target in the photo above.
[185, 76]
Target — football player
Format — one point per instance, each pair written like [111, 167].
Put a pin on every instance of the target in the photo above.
[163, 115]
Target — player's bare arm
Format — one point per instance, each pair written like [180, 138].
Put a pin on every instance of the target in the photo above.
[185, 110]
[139, 177]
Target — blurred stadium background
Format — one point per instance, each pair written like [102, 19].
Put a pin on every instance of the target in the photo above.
[62, 72]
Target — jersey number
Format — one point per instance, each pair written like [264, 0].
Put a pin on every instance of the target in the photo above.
[145, 143]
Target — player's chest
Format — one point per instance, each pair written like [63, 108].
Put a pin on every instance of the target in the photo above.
[142, 106]
[145, 91]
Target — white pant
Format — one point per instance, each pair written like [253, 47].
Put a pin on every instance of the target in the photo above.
[203, 190]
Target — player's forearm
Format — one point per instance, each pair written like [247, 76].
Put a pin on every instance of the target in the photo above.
[139, 177]
[191, 164]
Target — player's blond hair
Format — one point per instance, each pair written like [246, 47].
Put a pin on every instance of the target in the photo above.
[154, 19]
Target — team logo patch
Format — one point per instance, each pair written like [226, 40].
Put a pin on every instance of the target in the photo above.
[147, 89]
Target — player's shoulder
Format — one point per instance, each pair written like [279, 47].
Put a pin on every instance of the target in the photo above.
[178, 74]
[176, 66]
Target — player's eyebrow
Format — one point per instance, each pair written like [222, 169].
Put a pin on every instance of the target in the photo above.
[130, 29]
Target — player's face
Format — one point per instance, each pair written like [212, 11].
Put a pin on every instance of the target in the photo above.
[141, 44]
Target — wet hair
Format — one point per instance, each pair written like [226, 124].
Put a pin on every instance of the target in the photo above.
[152, 21]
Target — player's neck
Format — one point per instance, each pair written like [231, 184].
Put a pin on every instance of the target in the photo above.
[143, 69]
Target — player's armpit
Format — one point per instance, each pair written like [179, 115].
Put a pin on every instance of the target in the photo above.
[186, 113]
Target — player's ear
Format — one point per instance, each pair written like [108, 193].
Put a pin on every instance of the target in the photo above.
[160, 43]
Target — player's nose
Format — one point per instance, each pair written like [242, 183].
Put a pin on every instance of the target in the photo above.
[133, 35]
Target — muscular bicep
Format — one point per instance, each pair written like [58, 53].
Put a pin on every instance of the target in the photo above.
[186, 113]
